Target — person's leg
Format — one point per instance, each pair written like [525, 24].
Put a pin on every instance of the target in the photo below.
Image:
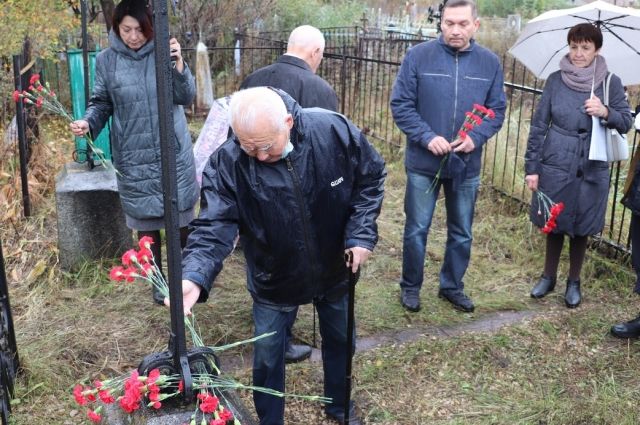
[419, 204]
[333, 329]
[295, 352]
[460, 203]
[547, 281]
[156, 250]
[635, 250]
[184, 234]
[552, 254]
[577, 251]
[268, 363]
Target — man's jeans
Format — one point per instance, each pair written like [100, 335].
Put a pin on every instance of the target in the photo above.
[268, 357]
[419, 207]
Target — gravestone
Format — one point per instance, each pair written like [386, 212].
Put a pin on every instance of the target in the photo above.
[91, 224]
[175, 415]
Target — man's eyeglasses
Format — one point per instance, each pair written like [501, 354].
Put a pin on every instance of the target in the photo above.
[252, 150]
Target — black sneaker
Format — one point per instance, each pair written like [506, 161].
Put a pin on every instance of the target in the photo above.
[410, 300]
[158, 298]
[353, 417]
[296, 353]
[459, 300]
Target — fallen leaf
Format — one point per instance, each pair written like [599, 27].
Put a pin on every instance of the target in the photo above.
[37, 270]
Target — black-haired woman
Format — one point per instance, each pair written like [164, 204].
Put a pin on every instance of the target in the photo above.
[125, 89]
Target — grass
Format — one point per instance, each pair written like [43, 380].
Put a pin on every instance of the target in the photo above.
[557, 366]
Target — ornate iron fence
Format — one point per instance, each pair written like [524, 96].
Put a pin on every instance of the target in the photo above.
[362, 65]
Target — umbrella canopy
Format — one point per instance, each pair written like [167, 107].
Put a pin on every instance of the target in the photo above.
[543, 42]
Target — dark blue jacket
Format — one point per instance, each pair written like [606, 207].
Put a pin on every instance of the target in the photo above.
[296, 216]
[434, 88]
[295, 77]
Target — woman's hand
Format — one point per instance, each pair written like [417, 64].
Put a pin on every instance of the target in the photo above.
[532, 182]
[176, 54]
[79, 127]
[594, 107]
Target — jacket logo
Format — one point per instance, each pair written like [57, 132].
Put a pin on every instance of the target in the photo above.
[337, 182]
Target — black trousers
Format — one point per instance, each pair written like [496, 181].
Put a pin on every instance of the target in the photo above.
[635, 244]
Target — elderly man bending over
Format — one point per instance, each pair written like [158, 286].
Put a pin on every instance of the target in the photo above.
[303, 186]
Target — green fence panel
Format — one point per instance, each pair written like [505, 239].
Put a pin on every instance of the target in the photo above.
[76, 83]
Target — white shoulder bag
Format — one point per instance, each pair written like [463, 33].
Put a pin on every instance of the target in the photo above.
[617, 146]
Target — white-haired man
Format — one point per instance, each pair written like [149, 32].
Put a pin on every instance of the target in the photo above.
[303, 186]
[295, 73]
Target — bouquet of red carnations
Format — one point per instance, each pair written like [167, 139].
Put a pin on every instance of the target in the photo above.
[133, 391]
[42, 96]
[549, 210]
[454, 165]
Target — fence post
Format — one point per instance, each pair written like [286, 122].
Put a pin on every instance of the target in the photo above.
[22, 138]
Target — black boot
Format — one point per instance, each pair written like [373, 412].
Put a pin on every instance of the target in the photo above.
[158, 298]
[572, 296]
[630, 329]
[543, 287]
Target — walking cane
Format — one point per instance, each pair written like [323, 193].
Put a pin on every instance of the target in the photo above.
[353, 279]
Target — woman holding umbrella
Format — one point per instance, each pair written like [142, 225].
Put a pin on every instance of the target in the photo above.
[557, 157]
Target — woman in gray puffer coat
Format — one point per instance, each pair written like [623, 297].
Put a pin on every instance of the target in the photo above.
[125, 89]
[557, 157]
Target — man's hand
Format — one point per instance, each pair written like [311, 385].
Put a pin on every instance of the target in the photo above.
[439, 146]
[532, 182]
[360, 256]
[190, 295]
[465, 145]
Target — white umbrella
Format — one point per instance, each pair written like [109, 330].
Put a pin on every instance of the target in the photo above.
[543, 42]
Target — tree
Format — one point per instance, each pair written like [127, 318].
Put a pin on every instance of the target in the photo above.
[33, 18]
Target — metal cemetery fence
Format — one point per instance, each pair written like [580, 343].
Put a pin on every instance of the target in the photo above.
[362, 66]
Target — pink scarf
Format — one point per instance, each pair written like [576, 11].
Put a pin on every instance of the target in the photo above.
[582, 79]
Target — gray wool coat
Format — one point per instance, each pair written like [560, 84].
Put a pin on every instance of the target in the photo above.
[125, 88]
[558, 151]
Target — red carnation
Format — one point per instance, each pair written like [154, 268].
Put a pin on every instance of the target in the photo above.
[131, 256]
[94, 416]
[106, 397]
[77, 394]
[16, 96]
[117, 274]
[476, 118]
[144, 255]
[35, 78]
[145, 242]
[208, 402]
[226, 415]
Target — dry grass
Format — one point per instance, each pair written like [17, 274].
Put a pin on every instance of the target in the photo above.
[559, 368]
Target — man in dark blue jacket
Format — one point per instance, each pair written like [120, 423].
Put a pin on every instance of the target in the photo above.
[294, 72]
[303, 186]
[438, 82]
